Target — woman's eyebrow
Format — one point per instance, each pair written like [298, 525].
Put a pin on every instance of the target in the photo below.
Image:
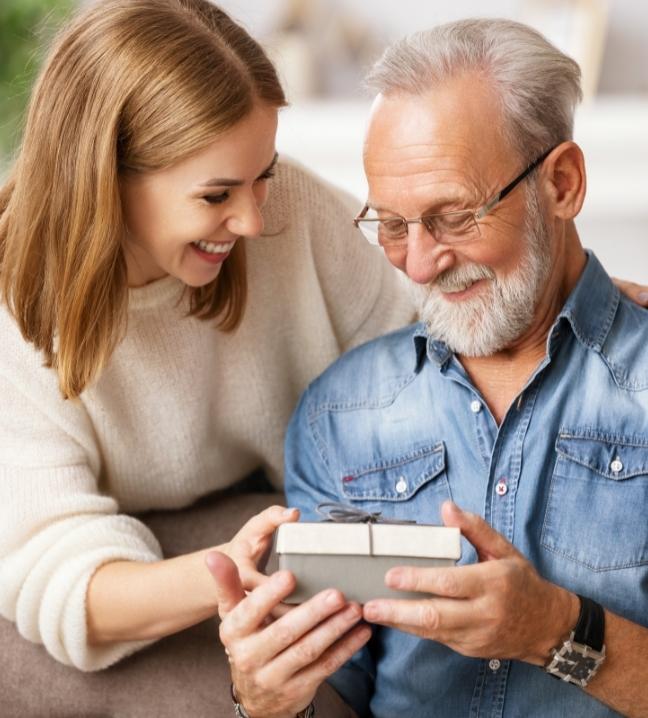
[225, 182]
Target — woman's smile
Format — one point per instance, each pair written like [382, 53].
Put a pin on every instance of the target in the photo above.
[212, 252]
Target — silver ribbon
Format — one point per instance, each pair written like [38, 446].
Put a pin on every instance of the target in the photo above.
[344, 514]
[335, 512]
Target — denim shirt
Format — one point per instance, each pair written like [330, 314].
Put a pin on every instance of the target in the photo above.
[397, 426]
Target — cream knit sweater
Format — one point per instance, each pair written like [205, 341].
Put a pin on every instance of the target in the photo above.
[181, 410]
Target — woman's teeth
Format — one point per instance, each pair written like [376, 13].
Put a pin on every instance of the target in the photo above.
[212, 248]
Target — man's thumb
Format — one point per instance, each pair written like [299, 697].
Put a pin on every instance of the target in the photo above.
[488, 542]
[229, 591]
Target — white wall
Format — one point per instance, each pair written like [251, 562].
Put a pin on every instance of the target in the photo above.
[625, 59]
[327, 136]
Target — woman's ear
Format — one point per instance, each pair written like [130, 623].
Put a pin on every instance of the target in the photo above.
[564, 181]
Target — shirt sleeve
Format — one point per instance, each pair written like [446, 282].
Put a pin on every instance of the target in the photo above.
[56, 526]
[307, 483]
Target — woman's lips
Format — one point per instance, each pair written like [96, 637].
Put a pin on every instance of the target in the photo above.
[211, 257]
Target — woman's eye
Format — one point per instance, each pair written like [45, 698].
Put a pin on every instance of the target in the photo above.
[216, 198]
[266, 176]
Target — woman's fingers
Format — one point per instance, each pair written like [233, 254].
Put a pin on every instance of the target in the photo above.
[250, 577]
[254, 536]
[313, 642]
[637, 292]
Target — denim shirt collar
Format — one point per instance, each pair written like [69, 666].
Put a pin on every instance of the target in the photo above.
[591, 307]
[589, 310]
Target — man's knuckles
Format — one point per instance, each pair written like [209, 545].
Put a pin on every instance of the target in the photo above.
[429, 617]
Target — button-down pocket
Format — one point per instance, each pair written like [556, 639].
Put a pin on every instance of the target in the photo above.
[596, 509]
[411, 485]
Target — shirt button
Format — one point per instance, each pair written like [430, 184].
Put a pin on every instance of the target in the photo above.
[616, 466]
[501, 488]
[475, 406]
[401, 486]
[494, 664]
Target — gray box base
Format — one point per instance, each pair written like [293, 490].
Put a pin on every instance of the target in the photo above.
[360, 578]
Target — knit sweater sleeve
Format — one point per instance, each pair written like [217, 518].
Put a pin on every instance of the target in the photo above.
[56, 527]
[365, 295]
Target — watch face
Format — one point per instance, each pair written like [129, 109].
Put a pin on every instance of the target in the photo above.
[575, 662]
[577, 665]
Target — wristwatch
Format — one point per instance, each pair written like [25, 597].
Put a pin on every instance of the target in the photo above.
[578, 659]
[240, 712]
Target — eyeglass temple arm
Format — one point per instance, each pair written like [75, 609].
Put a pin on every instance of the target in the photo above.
[512, 185]
[362, 214]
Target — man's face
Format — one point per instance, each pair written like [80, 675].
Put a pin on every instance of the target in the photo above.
[442, 152]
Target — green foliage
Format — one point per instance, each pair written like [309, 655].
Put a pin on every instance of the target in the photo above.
[26, 28]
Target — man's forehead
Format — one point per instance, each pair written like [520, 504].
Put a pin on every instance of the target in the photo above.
[447, 127]
[443, 147]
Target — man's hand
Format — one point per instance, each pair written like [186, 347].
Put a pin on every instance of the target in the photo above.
[278, 665]
[497, 608]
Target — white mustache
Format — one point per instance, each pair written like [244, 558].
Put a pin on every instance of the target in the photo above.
[457, 279]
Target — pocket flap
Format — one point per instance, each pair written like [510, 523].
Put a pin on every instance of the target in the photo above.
[395, 479]
[615, 458]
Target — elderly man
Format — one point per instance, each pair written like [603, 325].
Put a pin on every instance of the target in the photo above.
[522, 397]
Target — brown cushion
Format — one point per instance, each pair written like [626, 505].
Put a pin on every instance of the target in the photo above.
[182, 675]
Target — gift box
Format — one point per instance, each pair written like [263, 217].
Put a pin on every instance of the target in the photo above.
[354, 555]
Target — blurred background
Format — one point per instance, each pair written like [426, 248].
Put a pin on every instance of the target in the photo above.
[323, 48]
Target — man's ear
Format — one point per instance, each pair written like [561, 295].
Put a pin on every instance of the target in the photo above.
[563, 180]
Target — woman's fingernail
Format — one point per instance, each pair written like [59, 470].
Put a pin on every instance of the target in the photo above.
[289, 512]
[643, 297]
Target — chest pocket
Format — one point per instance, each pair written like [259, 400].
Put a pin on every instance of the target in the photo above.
[597, 509]
[412, 485]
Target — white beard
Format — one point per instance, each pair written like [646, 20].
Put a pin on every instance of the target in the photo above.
[504, 309]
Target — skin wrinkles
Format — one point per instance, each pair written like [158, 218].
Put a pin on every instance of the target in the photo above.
[501, 606]
[465, 162]
[456, 182]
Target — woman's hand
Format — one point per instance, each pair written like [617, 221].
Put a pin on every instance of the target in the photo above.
[278, 665]
[253, 541]
[637, 292]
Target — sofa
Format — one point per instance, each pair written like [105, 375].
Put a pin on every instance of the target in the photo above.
[186, 674]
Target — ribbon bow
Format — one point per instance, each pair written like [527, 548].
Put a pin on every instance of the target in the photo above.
[345, 514]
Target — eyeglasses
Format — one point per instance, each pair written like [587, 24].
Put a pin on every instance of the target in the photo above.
[446, 227]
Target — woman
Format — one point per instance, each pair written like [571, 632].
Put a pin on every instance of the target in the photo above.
[165, 301]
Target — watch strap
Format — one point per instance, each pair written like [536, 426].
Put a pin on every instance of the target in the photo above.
[582, 654]
[240, 712]
[590, 627]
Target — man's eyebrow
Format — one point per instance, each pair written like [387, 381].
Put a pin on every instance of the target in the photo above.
[434, 207]
[225, 182]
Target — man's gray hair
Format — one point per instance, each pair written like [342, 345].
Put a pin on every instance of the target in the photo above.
[538, 85]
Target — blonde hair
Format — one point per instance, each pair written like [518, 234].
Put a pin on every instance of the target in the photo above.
[129, 86]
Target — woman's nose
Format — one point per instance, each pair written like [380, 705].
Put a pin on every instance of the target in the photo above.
[246, 219]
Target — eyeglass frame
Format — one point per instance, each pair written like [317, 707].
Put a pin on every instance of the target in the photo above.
[477, 214]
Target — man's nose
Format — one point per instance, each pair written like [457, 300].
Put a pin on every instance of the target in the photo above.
[246, 219]
[426, 258]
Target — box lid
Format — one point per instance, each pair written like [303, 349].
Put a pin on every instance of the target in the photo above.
[370, 539]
